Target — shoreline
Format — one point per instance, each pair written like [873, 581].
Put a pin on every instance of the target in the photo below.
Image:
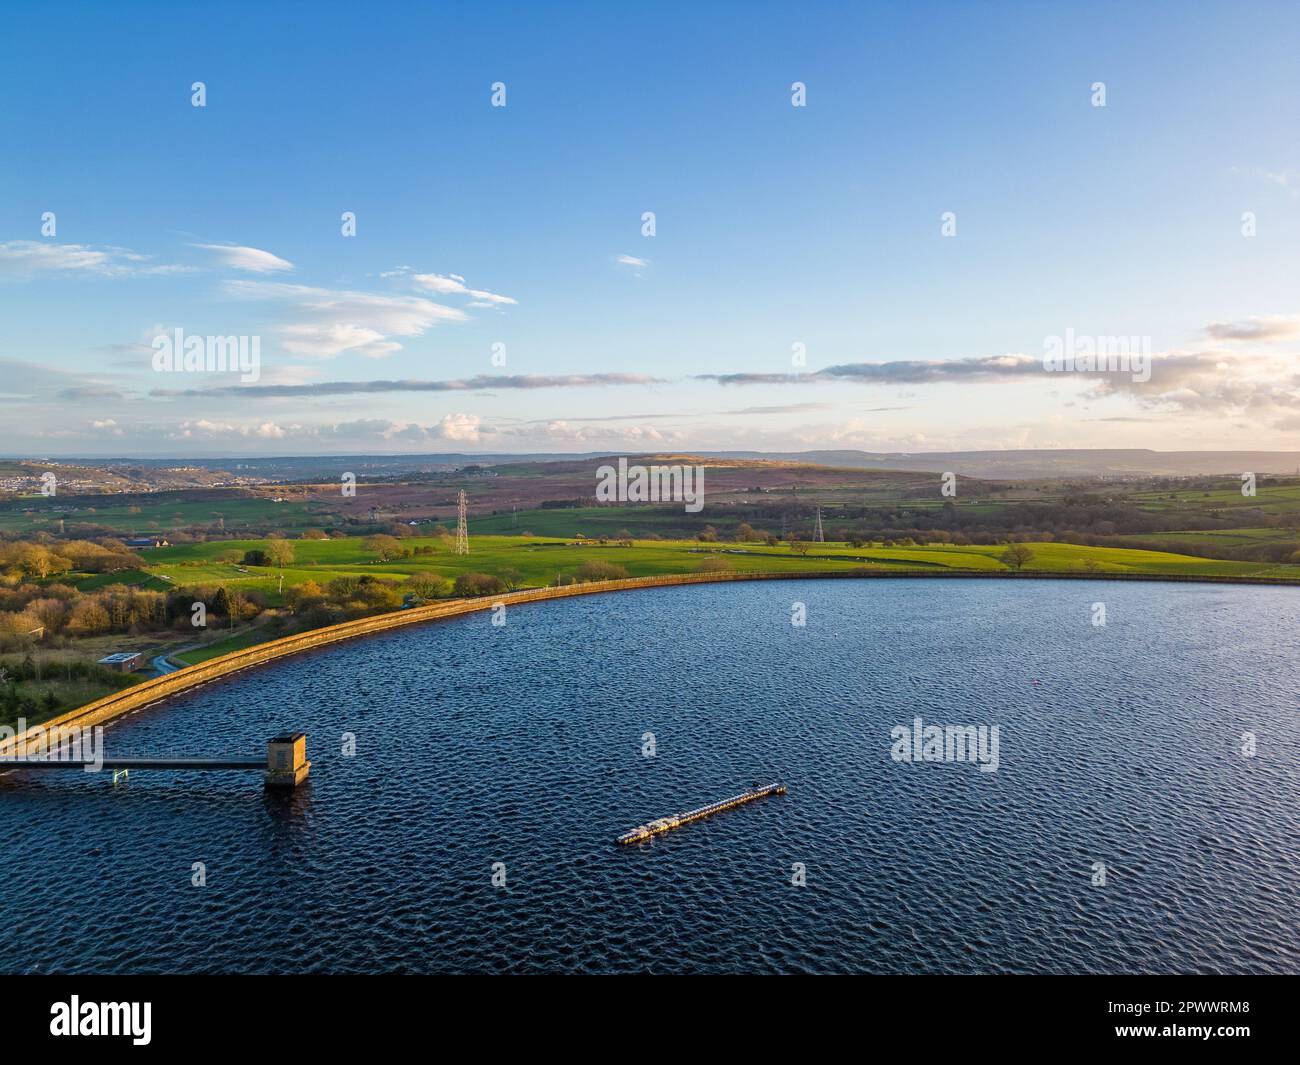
[119, 704]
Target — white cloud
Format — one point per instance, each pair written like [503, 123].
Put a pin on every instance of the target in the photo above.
[39, 383]
[29, 258]
[454, 285]
[203, 428]
[635, 264]
[1269, 327]
[240, 257]
[1216, 383]
[287, 375]
[344, 321]
[327, 339]
[1286, 179]
[465, 427]
[461, 428]
[562, 431]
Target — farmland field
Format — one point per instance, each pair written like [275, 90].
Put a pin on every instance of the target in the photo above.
[143, 515]
[540, 560]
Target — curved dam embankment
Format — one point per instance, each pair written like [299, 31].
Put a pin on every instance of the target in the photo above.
[152, 691]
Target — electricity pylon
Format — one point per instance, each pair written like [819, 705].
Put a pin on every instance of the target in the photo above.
[462, 528]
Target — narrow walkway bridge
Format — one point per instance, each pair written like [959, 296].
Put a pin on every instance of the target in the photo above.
[285, 764]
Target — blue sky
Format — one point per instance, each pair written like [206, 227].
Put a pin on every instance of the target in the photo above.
[775, 225]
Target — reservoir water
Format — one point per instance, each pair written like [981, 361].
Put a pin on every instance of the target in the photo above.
[524, 745]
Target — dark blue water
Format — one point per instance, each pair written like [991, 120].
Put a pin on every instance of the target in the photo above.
[522, 745]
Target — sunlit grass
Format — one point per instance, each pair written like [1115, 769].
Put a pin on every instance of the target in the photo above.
[541, 560]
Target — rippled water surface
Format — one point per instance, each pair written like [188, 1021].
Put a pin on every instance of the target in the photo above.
[522, 745]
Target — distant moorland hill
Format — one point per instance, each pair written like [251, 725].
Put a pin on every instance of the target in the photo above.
[1021, 464]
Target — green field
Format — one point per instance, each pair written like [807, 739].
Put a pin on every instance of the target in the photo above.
[588, 521]
[1269, 497]
[135, 577]
[540, 560]
[1224, 537]
[237, 642]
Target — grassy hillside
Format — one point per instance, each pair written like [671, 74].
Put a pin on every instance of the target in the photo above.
[540, 560]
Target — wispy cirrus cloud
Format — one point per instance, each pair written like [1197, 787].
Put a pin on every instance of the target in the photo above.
[454, 285]
[91, 392]
[897, 372]
[242, 257]
[332, 322]
[478, 383]
[1268, 327]
[634, 263]
[1283, 179]
[36, 382]
[686, 415]
[324, 340]
[788, 408]
[25, 259]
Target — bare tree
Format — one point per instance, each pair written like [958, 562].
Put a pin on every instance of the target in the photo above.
[1016, 555]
